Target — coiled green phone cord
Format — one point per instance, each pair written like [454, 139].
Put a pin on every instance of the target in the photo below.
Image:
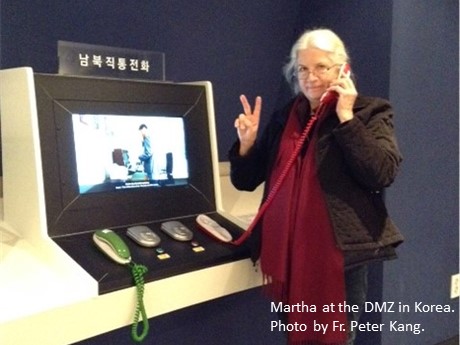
[138, 272]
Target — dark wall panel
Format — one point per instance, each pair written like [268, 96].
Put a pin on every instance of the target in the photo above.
[424, 200]
[240, 46]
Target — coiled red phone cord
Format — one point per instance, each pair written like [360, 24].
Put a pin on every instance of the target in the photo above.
[323, 107]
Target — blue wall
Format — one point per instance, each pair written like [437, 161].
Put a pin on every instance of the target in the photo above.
[239, 48]
[424, 200]
[406, 50]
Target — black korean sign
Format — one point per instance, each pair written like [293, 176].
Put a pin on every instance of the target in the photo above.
[94, 60]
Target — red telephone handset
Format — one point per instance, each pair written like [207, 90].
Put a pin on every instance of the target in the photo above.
[330, 96]
[345, 71]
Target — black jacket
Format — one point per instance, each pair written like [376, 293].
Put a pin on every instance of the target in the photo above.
[355, 161]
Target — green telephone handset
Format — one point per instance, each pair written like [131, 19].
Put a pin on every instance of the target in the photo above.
[115, 248]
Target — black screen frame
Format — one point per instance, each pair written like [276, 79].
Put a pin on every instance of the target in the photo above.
[69, 212]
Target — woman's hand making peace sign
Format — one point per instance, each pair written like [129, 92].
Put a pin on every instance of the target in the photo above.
[247, 124]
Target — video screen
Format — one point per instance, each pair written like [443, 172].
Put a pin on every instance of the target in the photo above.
[119, 152]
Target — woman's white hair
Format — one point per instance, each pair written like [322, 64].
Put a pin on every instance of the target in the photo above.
[323, 39]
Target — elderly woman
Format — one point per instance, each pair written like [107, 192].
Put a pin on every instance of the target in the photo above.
[328, 220]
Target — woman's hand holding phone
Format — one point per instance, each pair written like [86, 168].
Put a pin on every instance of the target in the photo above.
[347, 93]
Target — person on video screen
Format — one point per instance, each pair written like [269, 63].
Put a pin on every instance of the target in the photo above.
[146, 156]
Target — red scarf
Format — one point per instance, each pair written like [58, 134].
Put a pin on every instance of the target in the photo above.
[299, 256]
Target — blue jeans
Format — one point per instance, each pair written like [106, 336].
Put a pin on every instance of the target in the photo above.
[356, 292]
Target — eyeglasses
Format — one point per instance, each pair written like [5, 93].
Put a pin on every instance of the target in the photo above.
[303, 72]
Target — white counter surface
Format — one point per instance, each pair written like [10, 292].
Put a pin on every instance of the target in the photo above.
[46, 298]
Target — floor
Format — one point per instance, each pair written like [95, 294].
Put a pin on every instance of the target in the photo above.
[452, 341]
